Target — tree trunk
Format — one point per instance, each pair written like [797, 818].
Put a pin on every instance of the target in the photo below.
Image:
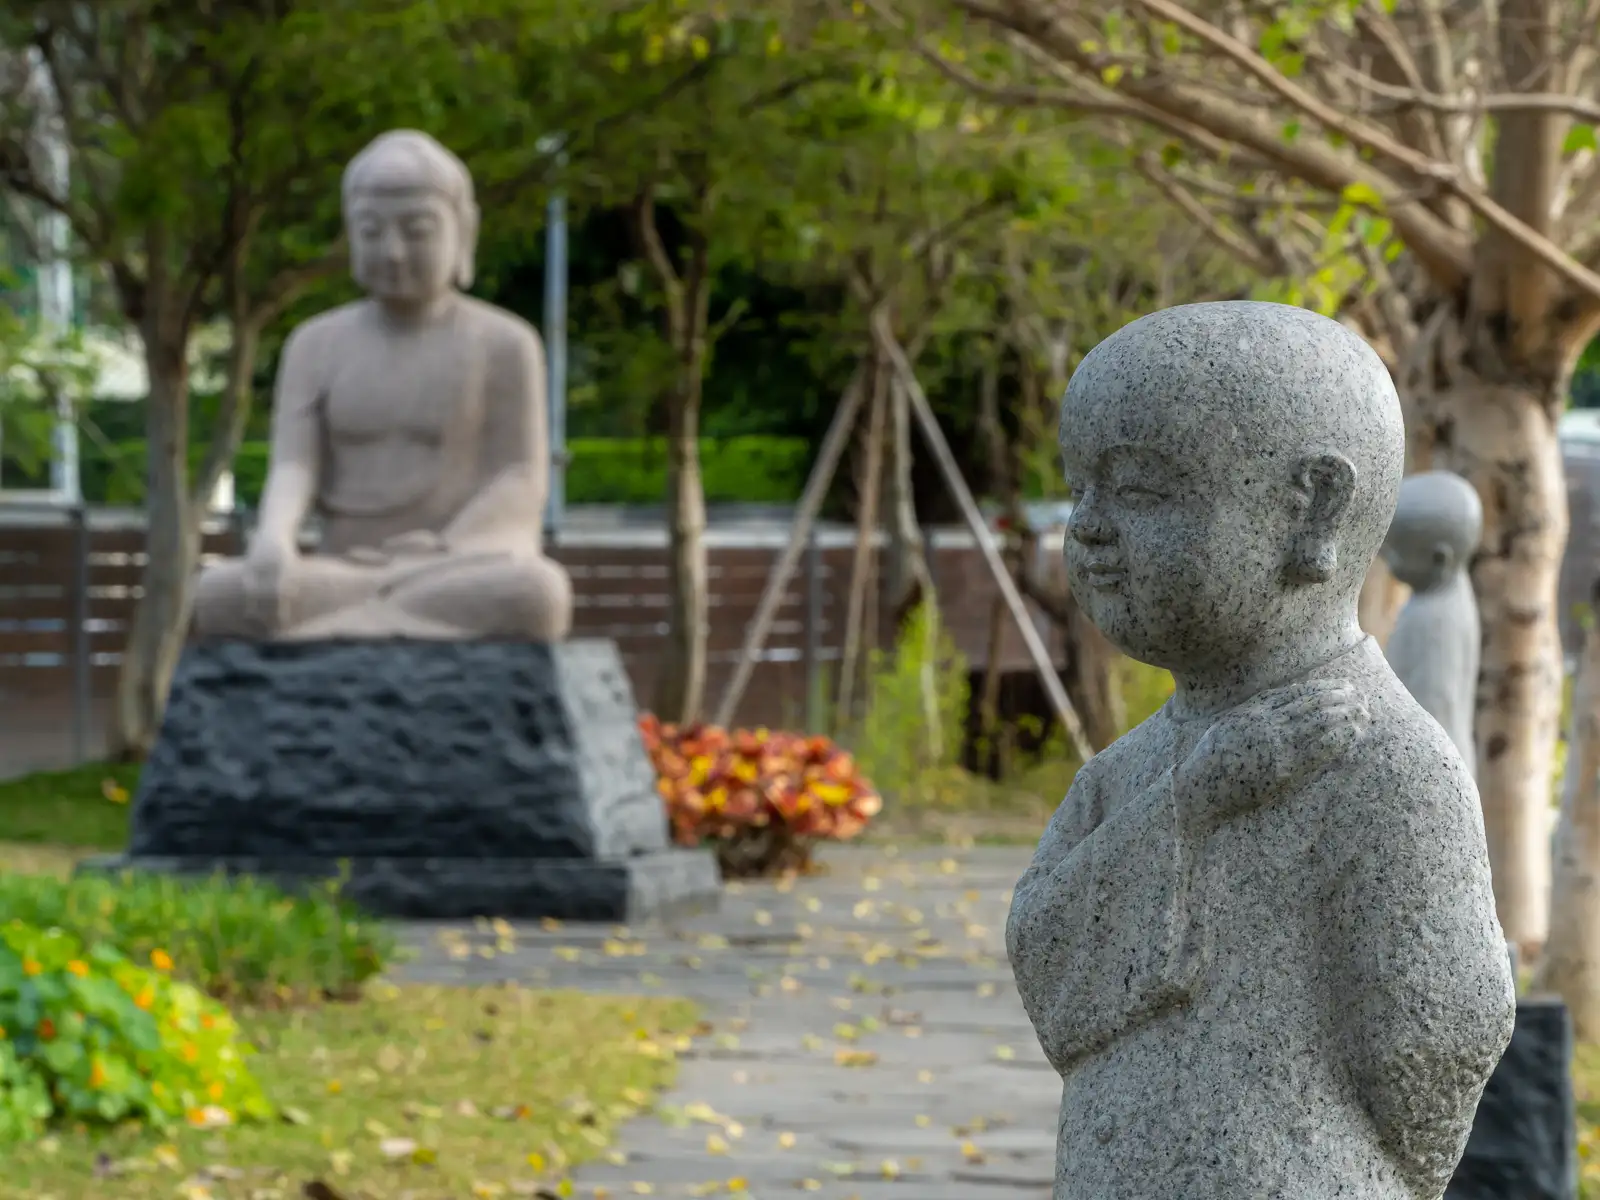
[1570, 964]
[866, 530]
[1502, 437]
[172, 547]
[681, 687]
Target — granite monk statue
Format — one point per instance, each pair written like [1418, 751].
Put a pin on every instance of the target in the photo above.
[413, 423]
[1435, 642]
[1258, 940]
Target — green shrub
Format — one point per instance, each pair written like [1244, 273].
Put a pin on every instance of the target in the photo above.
[750, 470]
[233, 938]
[87, 1035]
[891, 741]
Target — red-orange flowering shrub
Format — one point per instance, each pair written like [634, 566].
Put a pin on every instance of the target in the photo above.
[763, 798]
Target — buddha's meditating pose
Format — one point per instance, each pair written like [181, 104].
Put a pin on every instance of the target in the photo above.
[413, 422]
[1258, 939]
[1435, 643]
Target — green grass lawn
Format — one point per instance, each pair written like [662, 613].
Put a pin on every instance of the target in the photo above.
[85, 808]
[490, 1092]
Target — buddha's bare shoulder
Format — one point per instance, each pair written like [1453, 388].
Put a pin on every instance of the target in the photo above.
[504, 330]
[325, 333]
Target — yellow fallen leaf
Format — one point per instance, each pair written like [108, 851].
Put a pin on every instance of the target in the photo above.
[1004, 1053]
[786, 1141]
[716, 1144]
[397, 1147]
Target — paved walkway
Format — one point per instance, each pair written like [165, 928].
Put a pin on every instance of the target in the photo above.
[866, 1041]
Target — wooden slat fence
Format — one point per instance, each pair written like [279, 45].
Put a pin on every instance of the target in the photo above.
[619, 581]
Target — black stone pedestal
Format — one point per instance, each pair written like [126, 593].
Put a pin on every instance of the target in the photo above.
[1524, 1137]
[438, 779]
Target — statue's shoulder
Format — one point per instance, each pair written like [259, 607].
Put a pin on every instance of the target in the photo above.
[327, 326]
[501, 328]
[1130, 758]
[1405, 760]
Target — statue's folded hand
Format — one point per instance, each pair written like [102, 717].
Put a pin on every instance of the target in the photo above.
[1261, 751]
[268, 583]
[416, 541]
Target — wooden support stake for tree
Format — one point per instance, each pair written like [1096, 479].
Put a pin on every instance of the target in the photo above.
[816, 490]
[962, 495]
[866, 532]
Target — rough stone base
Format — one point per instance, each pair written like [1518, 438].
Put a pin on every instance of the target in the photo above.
[1524, 1137]
[453, 779]
[669, 883]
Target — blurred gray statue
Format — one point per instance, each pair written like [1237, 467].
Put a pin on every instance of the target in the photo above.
[1435, 643]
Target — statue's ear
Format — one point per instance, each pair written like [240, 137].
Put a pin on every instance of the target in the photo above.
[468, 251]
[1327, 482]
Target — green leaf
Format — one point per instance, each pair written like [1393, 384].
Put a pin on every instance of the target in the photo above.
[1580, 137]
[1291, 130]
[1362, 194]
[1171, 155]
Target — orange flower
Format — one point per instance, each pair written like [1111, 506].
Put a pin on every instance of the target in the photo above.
[190, 1052]
[30, 967]
[78, 967]
[47, 1029]
[207, 1021]
[97, 1074]
[215, 1090]
[145, 999]
[161, 960]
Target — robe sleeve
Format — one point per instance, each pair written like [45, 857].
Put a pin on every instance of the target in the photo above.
[1422, 988]
[1104, 930]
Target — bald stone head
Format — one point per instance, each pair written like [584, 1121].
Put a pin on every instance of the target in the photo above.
[1435, 530]
[411, 218]
[1235, 468]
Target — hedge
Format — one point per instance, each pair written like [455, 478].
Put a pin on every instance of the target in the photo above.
[750, 470]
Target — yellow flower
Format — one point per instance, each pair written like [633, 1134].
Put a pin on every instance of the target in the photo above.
[97, 1074]
[215, 1090]
[145, 999]
[161, 960]
[30, 967]
[190, 1052]
[78, 967]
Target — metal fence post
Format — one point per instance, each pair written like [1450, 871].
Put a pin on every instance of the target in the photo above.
[813, 646]
[82, 667]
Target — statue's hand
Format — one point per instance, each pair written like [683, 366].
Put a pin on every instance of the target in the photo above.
[268, 583]
[1262, 750]
[416, 541]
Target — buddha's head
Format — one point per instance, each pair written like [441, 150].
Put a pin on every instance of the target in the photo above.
[1234, 467]
[1435, 530]
[410, 218]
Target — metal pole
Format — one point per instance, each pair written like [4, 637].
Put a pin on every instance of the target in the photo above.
[82, 667]
[555, 341]
[55, 281]
[813, 633]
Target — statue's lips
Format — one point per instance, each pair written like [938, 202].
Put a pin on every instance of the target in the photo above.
[1104, 574]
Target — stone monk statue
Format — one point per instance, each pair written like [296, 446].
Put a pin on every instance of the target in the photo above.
[1258, 939]
[414, 423]
[1436, 639]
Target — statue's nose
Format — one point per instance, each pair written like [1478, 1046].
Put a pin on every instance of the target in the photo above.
[1087, 525]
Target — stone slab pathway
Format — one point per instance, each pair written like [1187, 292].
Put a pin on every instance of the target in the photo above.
[866, 1041]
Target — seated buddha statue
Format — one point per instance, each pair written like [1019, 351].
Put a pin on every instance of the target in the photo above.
[413, 423]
